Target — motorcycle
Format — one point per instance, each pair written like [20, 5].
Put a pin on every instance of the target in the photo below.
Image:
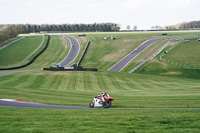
[98, 102]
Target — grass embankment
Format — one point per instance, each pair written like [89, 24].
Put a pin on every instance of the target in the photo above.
[103, 54]
[8, 41]
[57, 50]
[21, 51]
[79, 88]
[144, 55]
[181, 61]
[21, 120]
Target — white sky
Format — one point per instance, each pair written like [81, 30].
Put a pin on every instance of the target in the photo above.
[143, 13]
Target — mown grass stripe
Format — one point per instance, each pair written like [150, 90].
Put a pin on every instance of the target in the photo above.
[14, 81]
[87, 81]
[138, 84]
[6, 78]
[101, 82]
[27, 81]
[108, 82]
[72, 81]
[80, 81]
[94, 81]
[118, 83]
[49, 78]
[37, 82]
[63, 83]
[57, 82]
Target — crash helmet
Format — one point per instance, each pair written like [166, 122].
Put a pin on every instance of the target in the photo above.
[103, 93]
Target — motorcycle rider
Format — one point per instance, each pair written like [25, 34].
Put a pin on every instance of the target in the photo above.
[103, 95]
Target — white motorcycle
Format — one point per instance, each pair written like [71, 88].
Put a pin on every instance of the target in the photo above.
[98, 102]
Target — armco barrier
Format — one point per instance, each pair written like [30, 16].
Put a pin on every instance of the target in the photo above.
[31, 61]
[75, 69]
[148, 59]
[79, 62]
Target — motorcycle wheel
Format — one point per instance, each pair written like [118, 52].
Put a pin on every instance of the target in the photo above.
[91, 105]
[107, 104]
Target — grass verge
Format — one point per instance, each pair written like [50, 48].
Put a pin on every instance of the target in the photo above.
[20, 120]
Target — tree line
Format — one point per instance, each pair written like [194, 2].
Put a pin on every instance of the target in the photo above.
[9, 31]
[185, 25]
[104, 27]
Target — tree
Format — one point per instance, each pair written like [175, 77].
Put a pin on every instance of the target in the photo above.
[9, 31]
[128, 27]
[115, 28]
[135, 28]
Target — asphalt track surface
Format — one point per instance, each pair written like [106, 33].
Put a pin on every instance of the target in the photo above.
[75, 47]
[123, 62]
[37, 105]
[10, 72]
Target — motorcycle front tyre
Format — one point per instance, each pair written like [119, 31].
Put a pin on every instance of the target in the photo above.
[91, 105]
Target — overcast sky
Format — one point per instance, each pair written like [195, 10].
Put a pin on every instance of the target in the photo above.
[143, 13]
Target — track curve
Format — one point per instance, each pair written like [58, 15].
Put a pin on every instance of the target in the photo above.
[75, 47]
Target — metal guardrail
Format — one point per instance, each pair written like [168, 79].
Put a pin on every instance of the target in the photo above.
[151, 57]
[80, 60]
[157, 52]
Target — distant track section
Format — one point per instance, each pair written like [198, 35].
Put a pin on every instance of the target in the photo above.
[10, 72]
[123, 62]
[31, 61]
[151, 57]
[75, 47]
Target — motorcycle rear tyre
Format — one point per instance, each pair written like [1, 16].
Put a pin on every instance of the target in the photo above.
[91, 105]
[107, 104]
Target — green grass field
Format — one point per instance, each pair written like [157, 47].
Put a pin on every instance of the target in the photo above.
[181, 61]
[57, 50]
[13, 55]
[21, 120]
[103, 54]
[8, 41]
[151, 87]
[144, 55]
[79, 88]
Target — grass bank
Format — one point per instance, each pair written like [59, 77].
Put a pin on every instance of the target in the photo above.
[79, 88]
[13, 55]
[21, 120]
[181, 60]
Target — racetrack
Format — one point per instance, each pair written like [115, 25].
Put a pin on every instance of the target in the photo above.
[123, 62]
[9, 72]
[36, 105]
[75, 47]
[33, 105]
[23, 104]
